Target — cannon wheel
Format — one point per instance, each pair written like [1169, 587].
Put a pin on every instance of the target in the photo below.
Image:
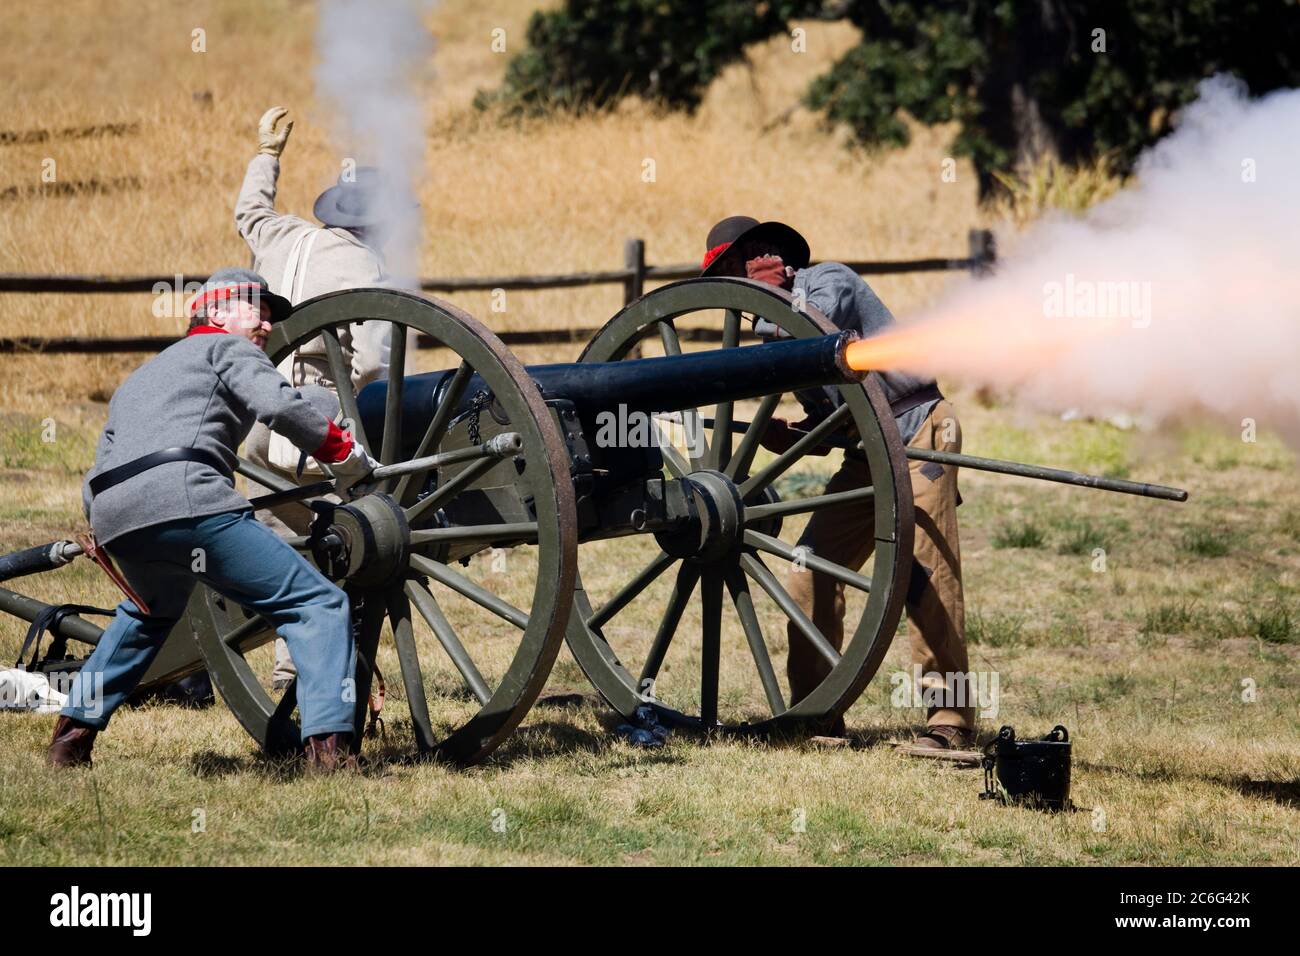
[628, 685]
[226, 633]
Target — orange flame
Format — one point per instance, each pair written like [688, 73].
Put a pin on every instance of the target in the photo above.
[947, 344]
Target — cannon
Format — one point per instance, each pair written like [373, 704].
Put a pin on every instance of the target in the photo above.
[521, 508]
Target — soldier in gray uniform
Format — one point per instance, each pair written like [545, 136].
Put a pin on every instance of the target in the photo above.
[161, 500]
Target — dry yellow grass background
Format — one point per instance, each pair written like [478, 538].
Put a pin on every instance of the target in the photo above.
[551, 197]
[1144, 663]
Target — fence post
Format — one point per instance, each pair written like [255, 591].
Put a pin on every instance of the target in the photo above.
[634, 262]
[983, 251]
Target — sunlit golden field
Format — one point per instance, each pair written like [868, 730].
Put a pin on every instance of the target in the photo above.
[1145, 662]
[551, 197]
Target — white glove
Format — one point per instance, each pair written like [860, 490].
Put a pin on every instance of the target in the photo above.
[269, 140]
[352, 472]
[769, 330]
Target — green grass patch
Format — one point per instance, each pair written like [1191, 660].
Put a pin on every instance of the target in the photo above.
[1206, 542]
[1083, 535]
[1272, 625]
[800, 484]
[995, 629]
[1020, 534]
[1174, 618]
[1067, 634]
[31, 444]
[1109, 687]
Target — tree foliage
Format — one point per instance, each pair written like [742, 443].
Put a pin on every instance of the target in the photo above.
[591, 53]
[1077, 79]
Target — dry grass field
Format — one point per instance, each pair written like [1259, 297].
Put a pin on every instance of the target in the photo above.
[1148, 662]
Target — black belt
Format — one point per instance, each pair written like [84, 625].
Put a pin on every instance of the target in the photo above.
[901, 406]
[115, 476]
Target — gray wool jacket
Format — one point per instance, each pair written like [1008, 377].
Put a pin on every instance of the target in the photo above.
[204, 392]
[844, 297]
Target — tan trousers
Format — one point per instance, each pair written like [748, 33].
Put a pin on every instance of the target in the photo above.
[936, 616]
[285, 520]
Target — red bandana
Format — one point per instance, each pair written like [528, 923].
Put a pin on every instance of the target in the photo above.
[205, 330]
[713, 254]
[224, 292]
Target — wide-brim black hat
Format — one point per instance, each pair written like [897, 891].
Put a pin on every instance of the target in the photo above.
[734, 231]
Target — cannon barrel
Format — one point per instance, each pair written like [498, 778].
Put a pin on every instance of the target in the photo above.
[667, 384]
[43, 557]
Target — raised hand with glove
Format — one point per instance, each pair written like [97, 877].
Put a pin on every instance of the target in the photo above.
[351, 473]
[270, 140]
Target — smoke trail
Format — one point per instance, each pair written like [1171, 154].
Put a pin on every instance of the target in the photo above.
[371, 55]
[1179, 296]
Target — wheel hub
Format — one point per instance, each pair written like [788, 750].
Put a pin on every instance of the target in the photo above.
[366, 542]
[715, 531]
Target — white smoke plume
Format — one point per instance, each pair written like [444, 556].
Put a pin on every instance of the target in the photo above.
[1177, 297]
[371, 58]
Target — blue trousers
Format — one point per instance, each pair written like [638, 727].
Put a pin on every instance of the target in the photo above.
[248, 564]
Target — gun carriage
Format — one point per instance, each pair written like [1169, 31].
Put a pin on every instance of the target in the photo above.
[487, 462]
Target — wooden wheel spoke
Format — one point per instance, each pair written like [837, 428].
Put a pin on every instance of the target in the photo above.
[711, 648]
[437, 427]
[780, 509]
[342, 376]
[697, 443]
[677, 465]
[744, 602]
[446, 635]
[518, 532]
[743, 457]
[778, 466]
[393, 398]
[467, 588]
[449, 489]
[720, 451]
[263, 476]
[691, 423]
[672, 343]
[287, 703]
[236, 638]
[399, 618]
[631, 590]
[373, 612]
[778, 547]
[768, 582]
[687, 575]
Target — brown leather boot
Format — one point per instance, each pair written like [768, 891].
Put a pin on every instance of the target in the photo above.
[71, 744]
[327, 753]
[946, 742]
[833, 734]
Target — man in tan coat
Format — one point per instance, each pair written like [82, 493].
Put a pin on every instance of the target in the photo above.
[774, 253]
[300, 260]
